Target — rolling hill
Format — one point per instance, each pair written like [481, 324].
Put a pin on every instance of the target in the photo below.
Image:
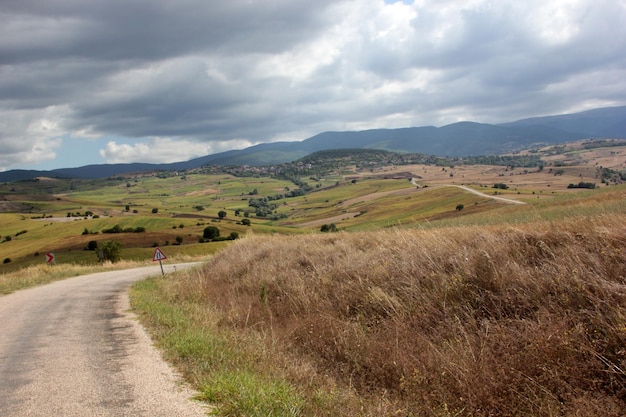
[456, 140]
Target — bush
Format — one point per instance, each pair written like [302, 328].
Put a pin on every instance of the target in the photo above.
[92, 245]
[211, 233]
[115, 229]
[155, 210]
[110, 251]
[6, 260]
[589, 185]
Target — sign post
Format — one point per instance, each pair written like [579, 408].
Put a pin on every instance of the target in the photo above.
[159, 256]
[50, 258]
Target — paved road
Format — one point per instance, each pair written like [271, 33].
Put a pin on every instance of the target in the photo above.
[71, 348]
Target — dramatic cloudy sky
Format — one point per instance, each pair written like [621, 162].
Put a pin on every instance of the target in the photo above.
[110, 81]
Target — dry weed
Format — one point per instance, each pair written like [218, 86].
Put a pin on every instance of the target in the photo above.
[473, 321]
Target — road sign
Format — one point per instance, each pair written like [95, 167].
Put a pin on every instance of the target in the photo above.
[50, 258]
[158, 255]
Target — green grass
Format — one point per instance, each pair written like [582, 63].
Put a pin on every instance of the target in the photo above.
[225, 368]
[175, 197]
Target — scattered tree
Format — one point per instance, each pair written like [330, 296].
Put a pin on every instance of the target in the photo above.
[110, 251]
[211, 232]
[221, 214]
[460, 207]
[155, 210]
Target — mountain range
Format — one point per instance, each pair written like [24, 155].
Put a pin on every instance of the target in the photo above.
[455, 140]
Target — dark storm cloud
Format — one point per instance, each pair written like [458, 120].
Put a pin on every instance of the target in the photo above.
[212, 75]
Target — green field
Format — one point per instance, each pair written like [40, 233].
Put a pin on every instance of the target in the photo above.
[172, 209]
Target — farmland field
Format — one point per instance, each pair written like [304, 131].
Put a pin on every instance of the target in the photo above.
[63, 215]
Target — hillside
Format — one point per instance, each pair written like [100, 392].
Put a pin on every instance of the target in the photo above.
[515, 319]
[456, 140]
[345, 189]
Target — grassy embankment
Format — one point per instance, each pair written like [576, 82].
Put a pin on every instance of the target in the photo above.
[521, 313]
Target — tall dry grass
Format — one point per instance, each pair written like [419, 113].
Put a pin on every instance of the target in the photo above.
[507, 321]
[44, 273]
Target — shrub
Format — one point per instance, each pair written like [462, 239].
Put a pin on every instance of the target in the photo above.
[211, 233]
[92, 245]
[155, 210]
[589, 185]
[6, 260]
[115, 229]
[110, 251]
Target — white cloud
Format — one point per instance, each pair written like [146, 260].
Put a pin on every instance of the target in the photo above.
[29, 135]
[202, 77]
[164, 150]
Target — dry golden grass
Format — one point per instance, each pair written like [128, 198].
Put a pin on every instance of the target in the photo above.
[43, 273]
[472, 321]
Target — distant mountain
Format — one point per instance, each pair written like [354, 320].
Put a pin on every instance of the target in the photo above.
[457, 139]
[608, 122]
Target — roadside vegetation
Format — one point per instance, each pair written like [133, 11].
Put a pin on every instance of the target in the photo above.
[468, 320]
[43, 274]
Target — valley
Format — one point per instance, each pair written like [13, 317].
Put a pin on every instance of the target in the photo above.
[173, 208]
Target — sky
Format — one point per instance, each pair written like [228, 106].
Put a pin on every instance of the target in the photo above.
[116, 81]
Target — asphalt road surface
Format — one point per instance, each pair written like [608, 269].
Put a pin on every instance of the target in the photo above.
[71, 348]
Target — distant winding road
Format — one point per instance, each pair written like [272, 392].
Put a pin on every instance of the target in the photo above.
[495, 197]
[71, 348]
[471, 190]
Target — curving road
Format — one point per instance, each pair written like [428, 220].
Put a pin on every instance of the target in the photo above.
[71, 348]
[494, 197]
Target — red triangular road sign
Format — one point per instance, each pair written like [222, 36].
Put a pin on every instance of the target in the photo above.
[158, 255]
